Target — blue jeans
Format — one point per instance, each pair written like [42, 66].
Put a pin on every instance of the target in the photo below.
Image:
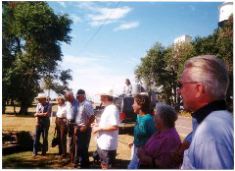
[82, 141]
[41, 129]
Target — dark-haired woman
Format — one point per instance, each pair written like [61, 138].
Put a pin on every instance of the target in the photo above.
[143, 129]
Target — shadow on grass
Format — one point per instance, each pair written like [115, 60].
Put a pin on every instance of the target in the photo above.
[121, 164]
[12, 114]
[21, 163]
[50, 162]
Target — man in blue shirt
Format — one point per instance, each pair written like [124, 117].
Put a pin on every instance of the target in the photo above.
[203, 86]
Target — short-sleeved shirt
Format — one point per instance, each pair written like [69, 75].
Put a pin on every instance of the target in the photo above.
[62, 111]
[108, 140]
[40, 108]
[72, 110]
[85, 111]
[143, 129]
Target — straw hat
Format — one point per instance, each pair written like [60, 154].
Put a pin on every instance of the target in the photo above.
[41, 96]
[107, 93]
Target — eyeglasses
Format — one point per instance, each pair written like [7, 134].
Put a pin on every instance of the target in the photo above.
[80, 95]
[181, 84]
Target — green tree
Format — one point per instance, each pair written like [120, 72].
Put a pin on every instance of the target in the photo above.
[58, 83]
[225, 51]
[36, 32]
[219, 43]
[152, 70]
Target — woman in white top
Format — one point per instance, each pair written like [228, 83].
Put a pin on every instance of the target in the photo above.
[61, 125]
[127, 90]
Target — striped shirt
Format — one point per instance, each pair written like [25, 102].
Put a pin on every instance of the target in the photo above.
[40, 108]
[85, 111]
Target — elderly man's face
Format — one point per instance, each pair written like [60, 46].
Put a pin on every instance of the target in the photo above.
[80, 97]
[42, 100]
[188, 90]
[60, 101]
[69, 96]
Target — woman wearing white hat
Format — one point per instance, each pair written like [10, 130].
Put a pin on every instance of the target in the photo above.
[42, 114]
[107, 131]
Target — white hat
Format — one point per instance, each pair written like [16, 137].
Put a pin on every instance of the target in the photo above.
[107, 93]
[144, 93]
[41, 96]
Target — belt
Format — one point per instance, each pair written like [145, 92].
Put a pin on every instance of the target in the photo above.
[61, 118]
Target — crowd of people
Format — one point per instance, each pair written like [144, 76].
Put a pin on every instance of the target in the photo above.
[157, 145]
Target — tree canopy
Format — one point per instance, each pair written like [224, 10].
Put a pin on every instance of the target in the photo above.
[32, 34]
[162, 66]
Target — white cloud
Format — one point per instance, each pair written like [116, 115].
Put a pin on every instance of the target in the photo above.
[76, 19]
[92, 74]
[103, 15]
[86, 5]
[63, 4]
[108, 15]
[127, 26]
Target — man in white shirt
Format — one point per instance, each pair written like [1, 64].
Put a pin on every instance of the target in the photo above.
[72, 110]
[107, 131]
[83, 129]
[61, 125]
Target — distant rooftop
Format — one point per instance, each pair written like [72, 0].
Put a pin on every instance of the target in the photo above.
[183, 39]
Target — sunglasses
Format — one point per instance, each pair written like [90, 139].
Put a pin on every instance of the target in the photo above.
[181, 84]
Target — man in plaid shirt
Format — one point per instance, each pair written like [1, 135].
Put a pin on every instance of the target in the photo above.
[83, 121]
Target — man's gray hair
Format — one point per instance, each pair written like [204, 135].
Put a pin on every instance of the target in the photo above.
[167, 114]
[68, 93]
[211, 72]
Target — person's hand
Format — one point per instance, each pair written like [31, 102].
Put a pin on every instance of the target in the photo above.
[36, 114]
[75, 130]
[96, 129]
[144, 159]
[83, 128]
[140, 152]
[177, 156]
[94, 124]
[130, 144]
[185, 145]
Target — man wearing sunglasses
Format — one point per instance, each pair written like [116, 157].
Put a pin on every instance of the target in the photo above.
[203, 86]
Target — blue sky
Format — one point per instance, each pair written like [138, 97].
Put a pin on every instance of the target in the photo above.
[109, 38]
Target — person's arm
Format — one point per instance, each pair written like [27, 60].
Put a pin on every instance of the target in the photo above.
[144, 128]
[113, 121]
[144, 158]
[91, 120]
[107, 128]
[45, 114]
[90, 113]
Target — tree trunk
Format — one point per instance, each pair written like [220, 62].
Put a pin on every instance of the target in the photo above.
[23, 108]
[4, 105]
